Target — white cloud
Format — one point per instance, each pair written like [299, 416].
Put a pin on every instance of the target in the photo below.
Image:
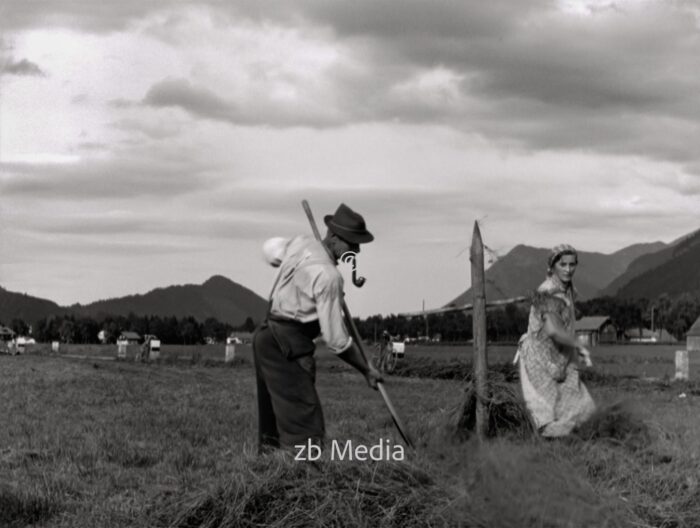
[186, 132]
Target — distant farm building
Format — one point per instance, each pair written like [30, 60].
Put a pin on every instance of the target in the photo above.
[129, 338]
[6, 334]
[591, 331]
[645, 335]
[665, 336]
[693, 336]
[239, 337]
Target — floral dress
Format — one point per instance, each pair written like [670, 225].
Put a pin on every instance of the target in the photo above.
[555, 396]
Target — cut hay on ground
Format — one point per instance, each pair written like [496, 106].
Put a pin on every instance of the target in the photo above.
[276, 491]
[617, 423]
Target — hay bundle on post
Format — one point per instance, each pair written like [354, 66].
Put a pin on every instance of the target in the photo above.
[504, 411]
[491, 406]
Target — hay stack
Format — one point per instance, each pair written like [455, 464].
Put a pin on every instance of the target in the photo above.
[507, 414]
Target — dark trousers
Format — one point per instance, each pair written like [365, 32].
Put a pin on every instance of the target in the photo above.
[289, 411]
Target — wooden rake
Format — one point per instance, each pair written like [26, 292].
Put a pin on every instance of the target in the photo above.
[356, 337]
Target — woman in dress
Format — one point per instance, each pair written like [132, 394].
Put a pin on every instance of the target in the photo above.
[549, 352]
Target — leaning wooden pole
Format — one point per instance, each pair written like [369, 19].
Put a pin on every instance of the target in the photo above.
[476, 256]
[466, 307]
[358, 340]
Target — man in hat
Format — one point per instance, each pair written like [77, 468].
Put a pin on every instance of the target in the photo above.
[306, 301]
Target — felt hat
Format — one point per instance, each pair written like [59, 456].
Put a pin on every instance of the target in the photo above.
[348, 225]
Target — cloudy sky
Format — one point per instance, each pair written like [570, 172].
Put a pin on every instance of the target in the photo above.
[147, 143]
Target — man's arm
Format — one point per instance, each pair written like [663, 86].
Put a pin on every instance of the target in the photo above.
[328, 292]
[353, 356]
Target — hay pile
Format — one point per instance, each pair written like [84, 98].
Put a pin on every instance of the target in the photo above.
[507, 414]
[274, 490]
[617, 423]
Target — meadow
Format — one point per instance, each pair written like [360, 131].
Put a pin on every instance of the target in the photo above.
[637, 360]
[88, 442]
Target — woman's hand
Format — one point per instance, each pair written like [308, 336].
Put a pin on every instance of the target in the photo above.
[585, 356]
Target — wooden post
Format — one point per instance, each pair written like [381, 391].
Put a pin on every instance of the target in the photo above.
[427, 332]
[476, 256]
[230, 353]
[682, 366]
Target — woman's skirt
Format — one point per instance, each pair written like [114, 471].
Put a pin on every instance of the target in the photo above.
[554, 395]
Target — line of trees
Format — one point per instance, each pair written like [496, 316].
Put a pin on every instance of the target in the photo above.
[509, 322]
[170, 330]
[506, 323]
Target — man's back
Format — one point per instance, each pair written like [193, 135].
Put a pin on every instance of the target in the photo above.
[306, 275]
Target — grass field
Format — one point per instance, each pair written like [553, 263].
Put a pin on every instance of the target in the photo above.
[653, 361]
[88, 442]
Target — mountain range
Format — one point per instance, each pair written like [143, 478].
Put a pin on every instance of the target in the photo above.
[640, 270]
[636, 271]
[22, 306]
[217, 297]
[674, 270]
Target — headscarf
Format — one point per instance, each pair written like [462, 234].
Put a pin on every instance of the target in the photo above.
[558, 251]
[568, 289]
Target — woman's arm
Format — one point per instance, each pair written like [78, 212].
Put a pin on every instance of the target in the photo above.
[554, 329]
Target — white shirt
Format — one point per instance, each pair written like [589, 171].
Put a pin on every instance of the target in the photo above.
[309, 287]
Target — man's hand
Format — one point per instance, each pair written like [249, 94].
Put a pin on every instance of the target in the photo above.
[353, 356]
[373, 376]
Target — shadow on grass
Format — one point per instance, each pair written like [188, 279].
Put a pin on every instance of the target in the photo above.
[19, 509]
[429, 368]
[422, 367]
[197, 359]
